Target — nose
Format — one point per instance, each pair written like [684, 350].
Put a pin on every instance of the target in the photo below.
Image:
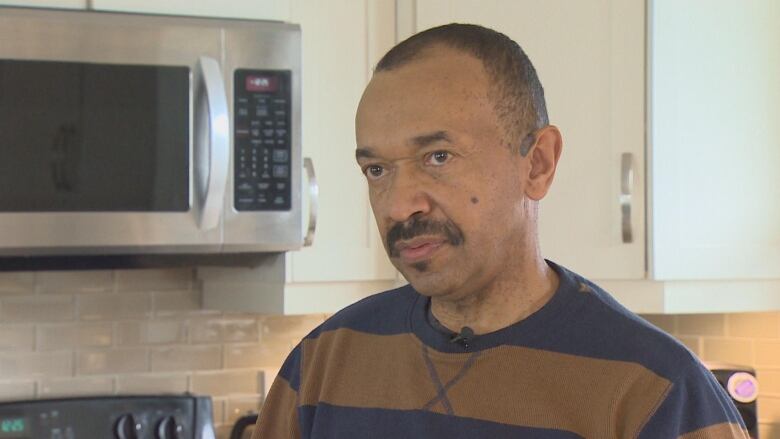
[407, 198]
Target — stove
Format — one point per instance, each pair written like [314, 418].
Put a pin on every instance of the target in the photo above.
[100, 417]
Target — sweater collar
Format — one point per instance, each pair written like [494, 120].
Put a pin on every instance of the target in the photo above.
[542, 323]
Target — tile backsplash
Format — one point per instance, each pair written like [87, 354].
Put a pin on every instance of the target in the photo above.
[136, 331]
[750, 339]
[143, 331]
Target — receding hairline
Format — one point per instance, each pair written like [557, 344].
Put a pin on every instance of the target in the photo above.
[514, 87]
[425, 51]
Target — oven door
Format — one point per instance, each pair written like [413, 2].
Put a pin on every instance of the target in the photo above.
[114, 133]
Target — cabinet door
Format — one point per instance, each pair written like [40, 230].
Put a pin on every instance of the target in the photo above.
[340, 42]
[249, 9]
[715, 139]
[59, 4]
[590, 59]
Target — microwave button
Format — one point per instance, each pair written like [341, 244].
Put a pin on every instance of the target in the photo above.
[280, 101]
[281, 155]
[262, 198]
[279, 200]
[261, 111]
[255, 132]
[245, 189]
[281, 142]
[268, 132]
[280, 113]
[242, 132]
[281, 132]
[268, 122]
[263, 186]
[281, 122]
[281, 186]
[268, 142]
[281, 171]
[243, 111]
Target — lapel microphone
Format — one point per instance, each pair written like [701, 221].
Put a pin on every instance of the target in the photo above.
[463, 338]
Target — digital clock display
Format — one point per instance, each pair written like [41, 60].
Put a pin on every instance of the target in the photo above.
[14, 428]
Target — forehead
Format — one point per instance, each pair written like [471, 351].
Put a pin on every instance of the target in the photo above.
[443, 90]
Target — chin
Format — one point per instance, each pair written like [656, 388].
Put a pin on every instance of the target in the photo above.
[427, 282]
[431, 276]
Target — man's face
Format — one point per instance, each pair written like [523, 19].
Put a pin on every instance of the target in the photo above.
[445, 186]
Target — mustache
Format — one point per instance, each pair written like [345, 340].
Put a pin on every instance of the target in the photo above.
[419, 227]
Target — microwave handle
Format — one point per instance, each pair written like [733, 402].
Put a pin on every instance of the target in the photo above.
[314, 195]
[218, 143]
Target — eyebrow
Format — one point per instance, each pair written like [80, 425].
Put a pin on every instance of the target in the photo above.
[364, 153]
[420, 141]
[427, 139]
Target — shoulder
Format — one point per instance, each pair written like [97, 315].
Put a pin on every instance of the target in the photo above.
[384, 313]
[601, 327]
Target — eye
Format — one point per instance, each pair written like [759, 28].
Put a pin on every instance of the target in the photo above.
[373, 172]
[437, 158]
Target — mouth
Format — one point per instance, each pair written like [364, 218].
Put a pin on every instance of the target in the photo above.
[418, 249]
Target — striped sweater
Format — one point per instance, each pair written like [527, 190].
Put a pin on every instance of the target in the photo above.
[580, 367]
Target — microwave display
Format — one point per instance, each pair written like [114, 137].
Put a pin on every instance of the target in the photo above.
[78, 137]
[263, 142]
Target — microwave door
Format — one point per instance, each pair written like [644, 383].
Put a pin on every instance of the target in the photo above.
[111, 135]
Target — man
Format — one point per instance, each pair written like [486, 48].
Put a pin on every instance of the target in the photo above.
[489, 340]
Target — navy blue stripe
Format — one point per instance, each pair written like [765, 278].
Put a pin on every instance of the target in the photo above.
[291, 368]
[328, 421]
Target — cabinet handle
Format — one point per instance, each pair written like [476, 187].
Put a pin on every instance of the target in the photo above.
[626, 190]
[314, 193]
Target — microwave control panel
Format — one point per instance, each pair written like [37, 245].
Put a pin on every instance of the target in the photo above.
[263, 140]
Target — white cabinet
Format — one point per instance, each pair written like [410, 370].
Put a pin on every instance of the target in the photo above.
[590, 58]
[58, 4]
[690, 91]
[715, 139]
[278, 10]
[341, 42]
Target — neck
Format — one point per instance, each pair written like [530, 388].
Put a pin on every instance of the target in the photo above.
[503, 303]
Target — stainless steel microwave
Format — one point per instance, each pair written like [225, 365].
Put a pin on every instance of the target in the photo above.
[130, 134]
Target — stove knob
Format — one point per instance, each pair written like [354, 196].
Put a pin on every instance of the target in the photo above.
[168, 428]
[126, 427]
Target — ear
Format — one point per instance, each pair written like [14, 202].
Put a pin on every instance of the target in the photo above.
[543, 160]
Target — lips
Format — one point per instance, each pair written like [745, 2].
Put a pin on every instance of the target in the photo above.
[418, 249]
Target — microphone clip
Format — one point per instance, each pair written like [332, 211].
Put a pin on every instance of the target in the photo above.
[463, 338]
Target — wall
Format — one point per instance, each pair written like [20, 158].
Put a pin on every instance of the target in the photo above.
[751, 339]
[142, 331]
[136, 331]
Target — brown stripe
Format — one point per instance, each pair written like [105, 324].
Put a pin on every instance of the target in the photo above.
[279, 417]
[342, 367]
[725, 430]
[510, 385]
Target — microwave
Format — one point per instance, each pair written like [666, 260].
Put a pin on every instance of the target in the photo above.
[126, 134]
